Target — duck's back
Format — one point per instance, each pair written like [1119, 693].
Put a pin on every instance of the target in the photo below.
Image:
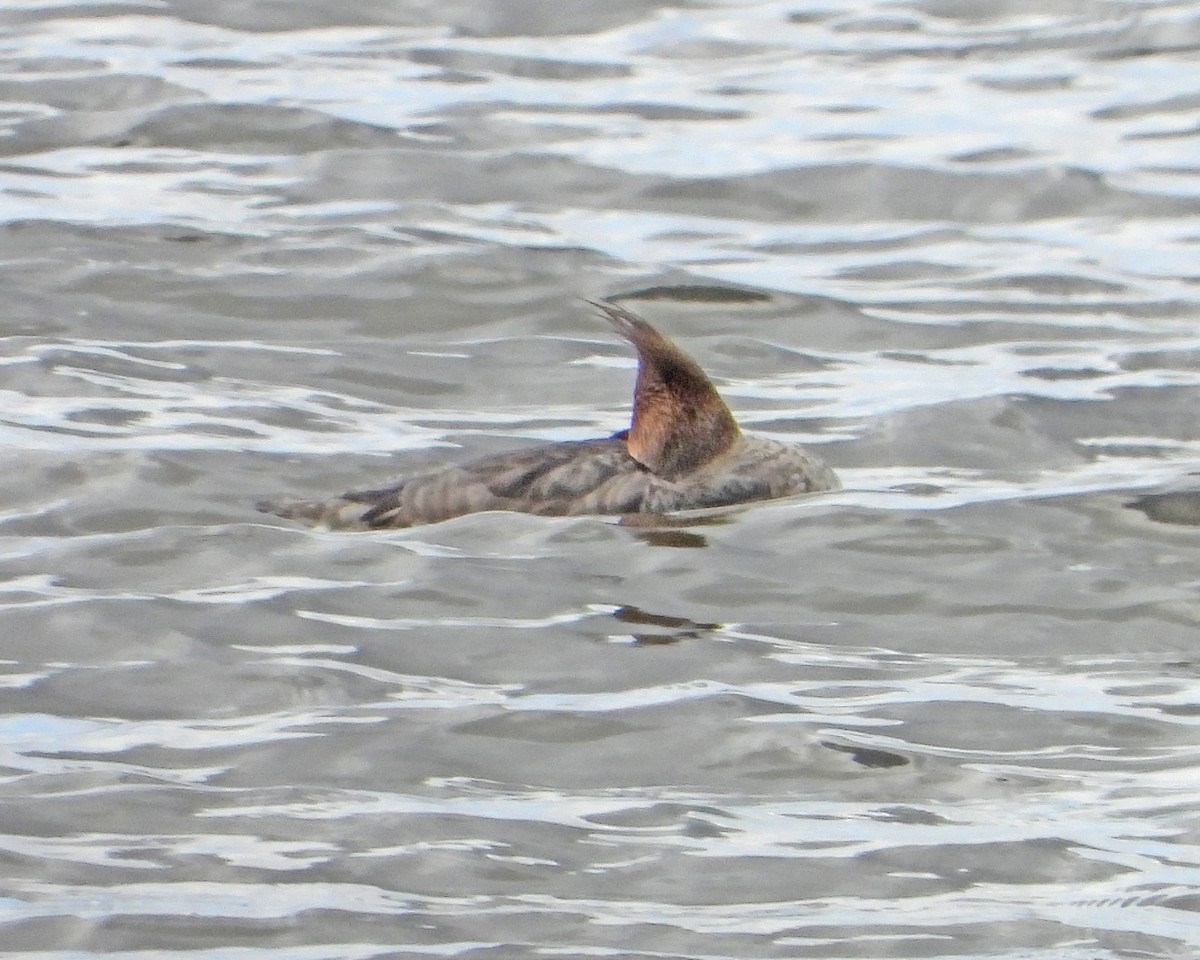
[570, 479]
[590, 476]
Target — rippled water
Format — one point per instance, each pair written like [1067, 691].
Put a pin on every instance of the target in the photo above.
[250, 248]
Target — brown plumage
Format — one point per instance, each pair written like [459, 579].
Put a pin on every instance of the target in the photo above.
[680, 421]
[683, 451]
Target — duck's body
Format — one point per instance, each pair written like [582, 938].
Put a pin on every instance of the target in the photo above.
[683, 451]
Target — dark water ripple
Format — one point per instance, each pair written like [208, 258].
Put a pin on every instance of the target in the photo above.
[950, 711]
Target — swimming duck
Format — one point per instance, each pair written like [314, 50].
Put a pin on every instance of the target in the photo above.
[683, 451]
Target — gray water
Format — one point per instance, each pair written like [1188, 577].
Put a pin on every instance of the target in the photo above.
[260, 248]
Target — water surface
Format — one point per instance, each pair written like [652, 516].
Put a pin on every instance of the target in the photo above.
[255, 248]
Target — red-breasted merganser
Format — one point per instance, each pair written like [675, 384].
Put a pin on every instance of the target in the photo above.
[682, 451]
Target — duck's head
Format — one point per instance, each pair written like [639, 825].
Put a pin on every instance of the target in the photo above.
[680, 421]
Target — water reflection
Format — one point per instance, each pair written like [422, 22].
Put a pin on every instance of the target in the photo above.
[1179, 507]
[674, 629]
[867, 757]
